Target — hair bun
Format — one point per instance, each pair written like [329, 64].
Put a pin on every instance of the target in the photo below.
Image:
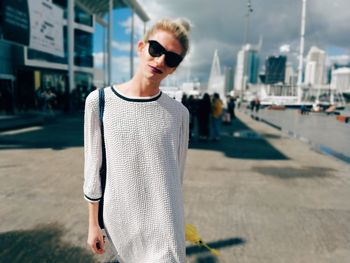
[184, 23]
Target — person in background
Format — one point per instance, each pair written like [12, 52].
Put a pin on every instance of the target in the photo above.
[190, 104]
[252, 107]
[203, 115]
[231, 107]
[146, 137]
[216, 114]
[192, 108]
[184, 100]
[257, 106]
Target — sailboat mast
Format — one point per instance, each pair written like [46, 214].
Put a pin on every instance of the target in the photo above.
[301, 51]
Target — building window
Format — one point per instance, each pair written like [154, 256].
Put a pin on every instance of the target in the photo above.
[82, 17]
[83, 49]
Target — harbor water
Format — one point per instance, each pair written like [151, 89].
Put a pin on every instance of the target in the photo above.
[323, 132]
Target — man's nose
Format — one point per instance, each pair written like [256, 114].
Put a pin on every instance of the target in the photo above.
[161, 60]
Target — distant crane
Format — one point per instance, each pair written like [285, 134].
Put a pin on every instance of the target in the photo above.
[249, 10]
[301, 50]
[246, 42]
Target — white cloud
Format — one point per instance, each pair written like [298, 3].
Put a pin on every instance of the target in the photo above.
[139, 27]
[340, 59]
[285, 48]
[98, 59]
[121, 46]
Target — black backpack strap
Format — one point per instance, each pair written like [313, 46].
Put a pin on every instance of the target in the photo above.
[103, 170]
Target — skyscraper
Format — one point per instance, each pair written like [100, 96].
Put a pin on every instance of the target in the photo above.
[341, 79]
[275, 69]
[290, 78]
[315, 66]
[247, 66]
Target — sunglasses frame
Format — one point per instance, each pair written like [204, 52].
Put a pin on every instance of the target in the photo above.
[169, 55]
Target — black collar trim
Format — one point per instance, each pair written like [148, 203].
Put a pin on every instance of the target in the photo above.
[136, 99]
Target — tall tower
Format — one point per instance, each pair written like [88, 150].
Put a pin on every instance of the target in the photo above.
[315, 66]
[216, 81]
[247, 67]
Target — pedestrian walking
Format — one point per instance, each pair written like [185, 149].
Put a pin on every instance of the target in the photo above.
[192, 108]
[216, 116]
[191, 104]
[252, 107]
[231, 107]
[203, 115]
[146, 137]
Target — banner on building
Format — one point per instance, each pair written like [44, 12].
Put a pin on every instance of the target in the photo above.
[37, 24]
[46, 27]
[15, 21]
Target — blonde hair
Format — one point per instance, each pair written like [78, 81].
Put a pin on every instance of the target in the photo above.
[179, 28]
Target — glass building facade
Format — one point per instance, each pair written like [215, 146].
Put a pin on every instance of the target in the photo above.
[25, 73]
[83, 50]
[252, 66]
[275, 68]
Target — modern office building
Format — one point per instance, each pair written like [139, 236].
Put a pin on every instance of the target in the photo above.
[341, 80]
[247, 66]
[228, 73]
[315, 67]
[48, 45]
[275, 69]
[290, 77]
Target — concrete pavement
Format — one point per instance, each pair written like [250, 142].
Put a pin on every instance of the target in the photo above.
[256, 196]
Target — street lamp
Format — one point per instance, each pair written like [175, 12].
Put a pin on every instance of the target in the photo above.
[301, 50]
[246, 42]
[249, 10]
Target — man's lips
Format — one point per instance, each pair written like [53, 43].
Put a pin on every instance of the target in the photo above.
[155, 70]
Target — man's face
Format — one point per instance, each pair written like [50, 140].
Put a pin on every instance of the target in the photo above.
[155, 68]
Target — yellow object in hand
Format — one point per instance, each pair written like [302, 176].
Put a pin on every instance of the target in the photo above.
[191, 235]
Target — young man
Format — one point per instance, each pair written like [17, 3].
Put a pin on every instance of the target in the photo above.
[146, 140]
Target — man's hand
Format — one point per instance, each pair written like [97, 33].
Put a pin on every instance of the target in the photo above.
[96, 240]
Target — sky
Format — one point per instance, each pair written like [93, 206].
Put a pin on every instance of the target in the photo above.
[222, 25]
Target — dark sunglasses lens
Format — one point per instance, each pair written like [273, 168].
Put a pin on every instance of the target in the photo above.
[155, 49]
[172, 60]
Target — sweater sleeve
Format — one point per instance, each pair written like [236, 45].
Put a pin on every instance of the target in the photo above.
[92, 149]
[184, 138]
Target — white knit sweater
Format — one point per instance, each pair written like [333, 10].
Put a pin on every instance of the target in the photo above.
[146, 144]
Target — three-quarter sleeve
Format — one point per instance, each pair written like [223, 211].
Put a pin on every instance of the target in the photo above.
[92, 149]
[184, 138]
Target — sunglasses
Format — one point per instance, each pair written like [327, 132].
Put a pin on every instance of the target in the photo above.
[172, 59]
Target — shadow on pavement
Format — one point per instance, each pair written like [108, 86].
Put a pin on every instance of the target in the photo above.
[67, 131]
[207, 259]
[292, 172]
[63, 132]
[241, 142]
[42, 244]
[190, 250]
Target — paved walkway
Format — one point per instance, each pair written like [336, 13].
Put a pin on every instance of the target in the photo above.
[256, 196]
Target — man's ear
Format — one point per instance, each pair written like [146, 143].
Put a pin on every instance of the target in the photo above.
[140, 46]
